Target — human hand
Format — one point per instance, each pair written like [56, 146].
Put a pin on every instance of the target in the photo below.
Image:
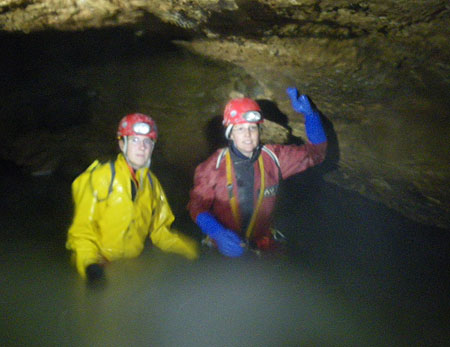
[229, 244]
[313, 124]
[300, 103]
[95, 273]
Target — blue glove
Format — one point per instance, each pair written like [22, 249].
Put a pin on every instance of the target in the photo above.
[313, 124]
[228, 243]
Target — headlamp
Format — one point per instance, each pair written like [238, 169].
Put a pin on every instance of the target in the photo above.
[252, 116]
[141, 128]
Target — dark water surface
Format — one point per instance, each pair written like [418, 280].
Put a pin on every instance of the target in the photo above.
[356, 274]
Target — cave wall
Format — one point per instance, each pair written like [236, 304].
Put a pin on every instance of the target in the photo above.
[378, 71]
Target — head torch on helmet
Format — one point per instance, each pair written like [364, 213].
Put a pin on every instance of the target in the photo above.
[141, 128]
[252, 116]
[241, 110]
[138, 124]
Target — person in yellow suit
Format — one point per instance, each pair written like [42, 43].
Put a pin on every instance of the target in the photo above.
[119, 204]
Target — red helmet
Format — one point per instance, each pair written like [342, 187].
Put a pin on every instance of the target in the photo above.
[138, 124]
[242, 110]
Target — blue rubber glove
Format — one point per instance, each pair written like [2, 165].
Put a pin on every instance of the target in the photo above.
[228, 243]
[313, 124]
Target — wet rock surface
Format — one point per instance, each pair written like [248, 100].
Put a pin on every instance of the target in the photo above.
[368, 253]
[377, 71]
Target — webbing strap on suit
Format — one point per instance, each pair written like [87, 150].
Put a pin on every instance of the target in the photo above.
[113, 175]
[233, 201]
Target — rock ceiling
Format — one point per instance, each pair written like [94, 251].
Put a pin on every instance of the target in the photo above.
[362, 61]
[420, 26]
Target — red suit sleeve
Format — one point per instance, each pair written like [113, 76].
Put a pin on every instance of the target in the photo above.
[202, 195]
[295, 159]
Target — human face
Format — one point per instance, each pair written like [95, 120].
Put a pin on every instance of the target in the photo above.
[139, 150]
[245, 137]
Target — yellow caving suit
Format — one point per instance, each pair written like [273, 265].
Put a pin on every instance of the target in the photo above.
[109, 225]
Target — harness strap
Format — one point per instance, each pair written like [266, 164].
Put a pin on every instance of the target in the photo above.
[221, 155]
[150, 178]
[260, 198]
[91, 170]
[113, 175]
[275, 159]
[272, 155]
[233, 202]
[110, 187]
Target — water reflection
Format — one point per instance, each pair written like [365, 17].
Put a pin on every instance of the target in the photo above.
[364, 277]
[357, 273]
[163, 301]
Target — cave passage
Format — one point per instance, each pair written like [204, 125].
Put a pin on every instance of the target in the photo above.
[357, 273]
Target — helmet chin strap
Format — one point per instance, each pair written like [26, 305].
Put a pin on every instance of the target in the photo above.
[124, 151]
[228, 131]
[125, 147]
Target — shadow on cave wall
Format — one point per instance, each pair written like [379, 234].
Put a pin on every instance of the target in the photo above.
[49, 102]
[214, 132]
[273, 113]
